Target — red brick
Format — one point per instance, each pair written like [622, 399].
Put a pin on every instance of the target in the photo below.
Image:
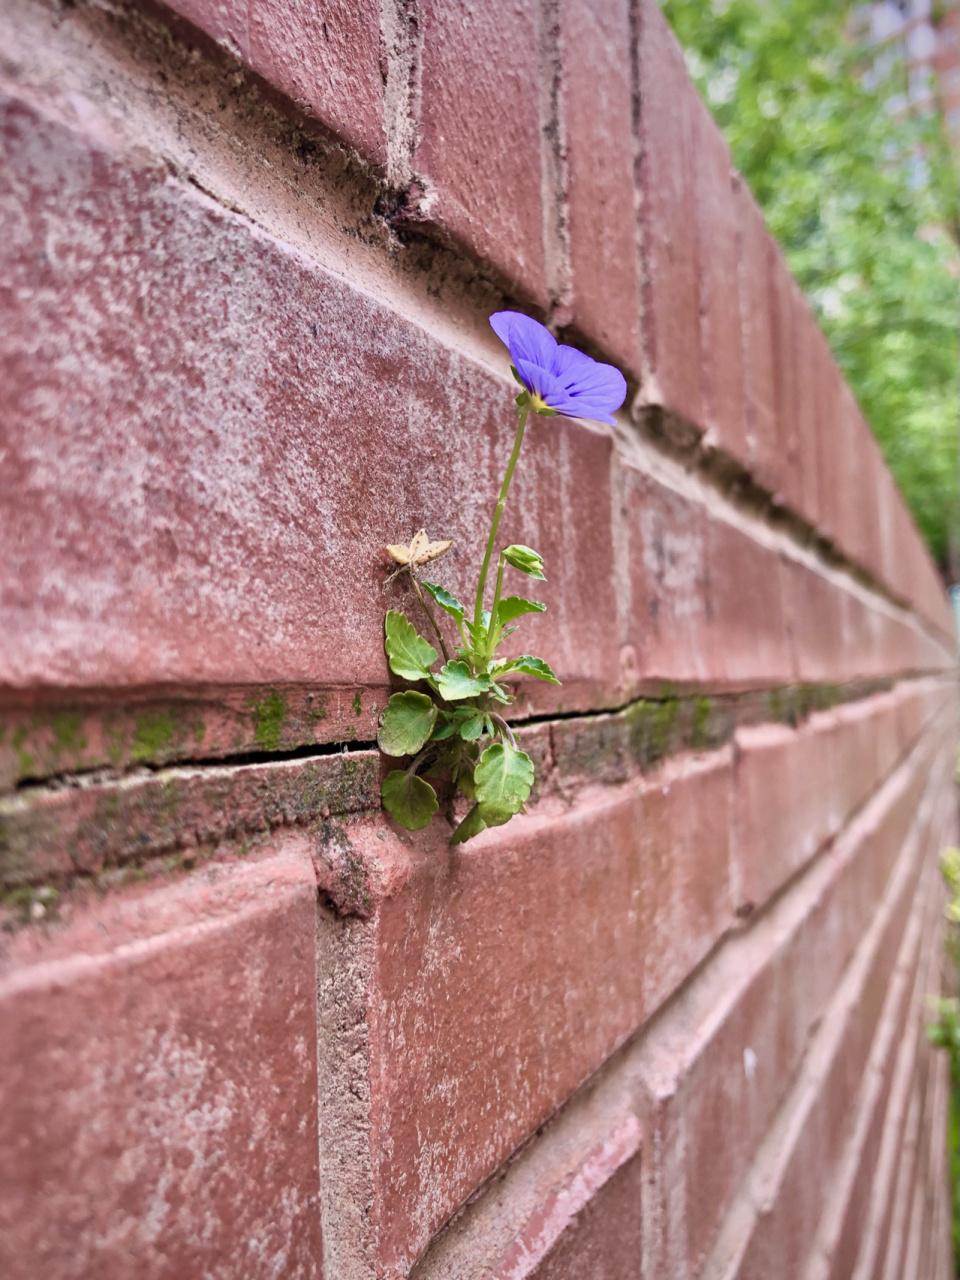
[598, 145]
[663, 579]
[709, 1100]
[159, 1074]
[808, 337]
[796, 788]
[758, 353]
[800, 1168]
[324, 59]
[721, 340]
[479, 149]
[590, 1223]
[868, 1217]
[668, 236]
[813, 606]
[155, 492]
[508, 970]
[786, 315]
[57, 833]
[860, 529]
[605, 1240]
[834, 481]
[748, 619]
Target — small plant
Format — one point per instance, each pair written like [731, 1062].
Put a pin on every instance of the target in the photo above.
[452, 725]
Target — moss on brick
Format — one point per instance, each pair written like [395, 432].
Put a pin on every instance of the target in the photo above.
[154, 734]
[269, 714]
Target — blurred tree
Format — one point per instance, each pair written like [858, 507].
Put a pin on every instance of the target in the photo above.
[865, 205]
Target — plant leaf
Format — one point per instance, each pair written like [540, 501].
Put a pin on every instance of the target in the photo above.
[406, 724]
[454, 681]
[471, 728]
[471, 826]
[412, 801]
[515, 607]
[445, 600]
[444, 729]
[525, 559]
[479, 636]
[408, 653]
[526, 665]
[503, 778]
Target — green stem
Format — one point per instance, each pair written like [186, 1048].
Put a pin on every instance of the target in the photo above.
[493, 631]
[484, 568]
[429, 613]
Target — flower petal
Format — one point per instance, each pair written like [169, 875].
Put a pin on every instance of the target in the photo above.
[526, 338]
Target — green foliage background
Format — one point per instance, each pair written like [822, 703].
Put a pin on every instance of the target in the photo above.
[865, 206]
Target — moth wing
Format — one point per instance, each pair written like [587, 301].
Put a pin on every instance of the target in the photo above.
[418, 544]
[434, 551]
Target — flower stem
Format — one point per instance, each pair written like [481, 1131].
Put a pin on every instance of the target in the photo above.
[429, 613]
[484, 568]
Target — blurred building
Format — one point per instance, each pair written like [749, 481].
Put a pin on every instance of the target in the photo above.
[922, 37]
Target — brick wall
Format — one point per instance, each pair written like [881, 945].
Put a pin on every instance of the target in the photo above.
[667, 1024]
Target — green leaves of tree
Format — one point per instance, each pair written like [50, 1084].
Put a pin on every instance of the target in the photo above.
[412, 801]
[863, 200]
[407, 723]
[525, 559]
[408, 653]
[503, 778]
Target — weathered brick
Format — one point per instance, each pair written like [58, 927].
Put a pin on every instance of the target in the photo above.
[718, 1064]
[757, 327]
[588, 1224]
[814, 616]
[786, 315]
[668, 227]
[601, 208]
[479, 139]
[747, 616]
[721, 340]
[508, 970]
[159, 1076]
[53, 834]
[663, 582]
[795, 788]
[157, 486]
[809, 426]
[858, 1250]
[604, 1240]
[325, 59]
[818, 1114]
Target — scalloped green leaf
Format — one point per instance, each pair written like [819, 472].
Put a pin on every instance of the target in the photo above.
[406, 724]
[525, 665]
[515, 607]
[412, 801]
[409, 655]
[450, 604]
[471, 727]
[503, 778]
[471, 826]
[456, 681]
[525, 559]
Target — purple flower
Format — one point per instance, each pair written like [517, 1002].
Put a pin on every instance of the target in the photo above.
[558, 378]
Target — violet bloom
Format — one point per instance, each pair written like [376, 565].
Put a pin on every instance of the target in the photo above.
[557, 378]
